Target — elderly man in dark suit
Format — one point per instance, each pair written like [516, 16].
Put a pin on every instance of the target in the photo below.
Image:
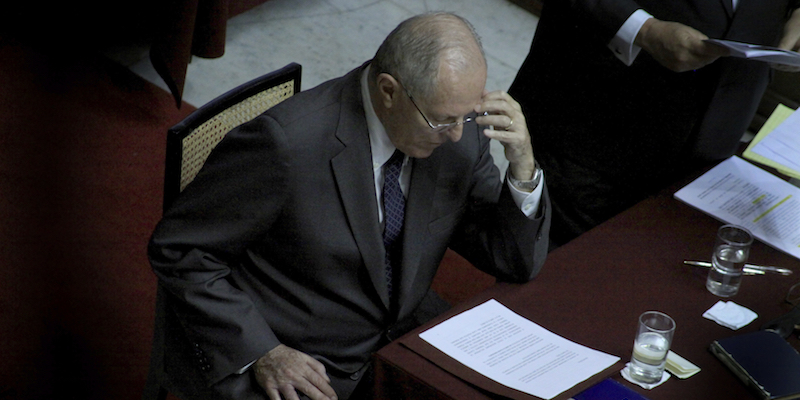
[625, 96]
[312, 234]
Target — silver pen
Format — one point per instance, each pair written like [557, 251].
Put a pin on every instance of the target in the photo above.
[748, 268]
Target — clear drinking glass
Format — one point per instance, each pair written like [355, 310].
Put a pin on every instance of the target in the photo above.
[650, 347]
[727, 262]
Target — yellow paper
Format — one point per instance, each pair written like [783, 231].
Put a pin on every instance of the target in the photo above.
[779, 115]
[680, 366]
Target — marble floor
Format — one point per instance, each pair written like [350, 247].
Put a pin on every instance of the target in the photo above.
[331, 37]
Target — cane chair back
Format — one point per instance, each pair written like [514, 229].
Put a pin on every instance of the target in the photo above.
[191, 141]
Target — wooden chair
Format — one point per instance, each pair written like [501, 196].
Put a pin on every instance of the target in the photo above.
[190, 142]
[188, 145]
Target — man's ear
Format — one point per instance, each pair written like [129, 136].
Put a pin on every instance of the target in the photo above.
[388, 90]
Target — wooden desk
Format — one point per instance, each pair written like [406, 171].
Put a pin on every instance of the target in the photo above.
[592, 291]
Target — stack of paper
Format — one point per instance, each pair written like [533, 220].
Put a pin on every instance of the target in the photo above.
[680, 366]
[516, 352]
[758, 52]
[777, 143]
[740, 193]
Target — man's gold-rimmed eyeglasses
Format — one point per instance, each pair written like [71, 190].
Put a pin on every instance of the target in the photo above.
[438, 128]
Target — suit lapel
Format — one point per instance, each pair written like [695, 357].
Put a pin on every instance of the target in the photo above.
[352, 169]
[418, 206]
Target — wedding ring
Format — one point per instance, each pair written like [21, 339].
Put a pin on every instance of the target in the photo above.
[510, 122]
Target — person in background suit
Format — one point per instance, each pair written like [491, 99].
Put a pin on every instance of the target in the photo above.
[611, 123]
[279, 280]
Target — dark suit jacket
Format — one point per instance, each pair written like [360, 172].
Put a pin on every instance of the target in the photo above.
[277, 240]
[609, 134]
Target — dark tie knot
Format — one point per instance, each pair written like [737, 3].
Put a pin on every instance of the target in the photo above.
[395, 161]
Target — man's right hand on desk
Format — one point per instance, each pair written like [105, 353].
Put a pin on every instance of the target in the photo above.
[284, 371]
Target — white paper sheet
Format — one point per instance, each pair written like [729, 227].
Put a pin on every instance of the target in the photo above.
[740, 193]
[758, 52]
[513, 351]
[782, 145]
[779, 115]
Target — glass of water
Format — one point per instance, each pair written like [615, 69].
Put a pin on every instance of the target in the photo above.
[653, 339]
[727, 262]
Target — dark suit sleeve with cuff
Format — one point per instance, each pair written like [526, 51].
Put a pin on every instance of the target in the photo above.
[199, 239]
[496, 236]
[607, 15]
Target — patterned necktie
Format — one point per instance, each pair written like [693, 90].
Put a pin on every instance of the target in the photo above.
[394, 205]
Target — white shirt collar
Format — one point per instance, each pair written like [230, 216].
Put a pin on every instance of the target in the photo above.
[382, 148]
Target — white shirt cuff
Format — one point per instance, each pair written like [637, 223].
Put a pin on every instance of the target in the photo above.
[622, 44]
[528, 203]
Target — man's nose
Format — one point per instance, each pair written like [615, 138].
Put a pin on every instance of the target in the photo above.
[454, 133]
